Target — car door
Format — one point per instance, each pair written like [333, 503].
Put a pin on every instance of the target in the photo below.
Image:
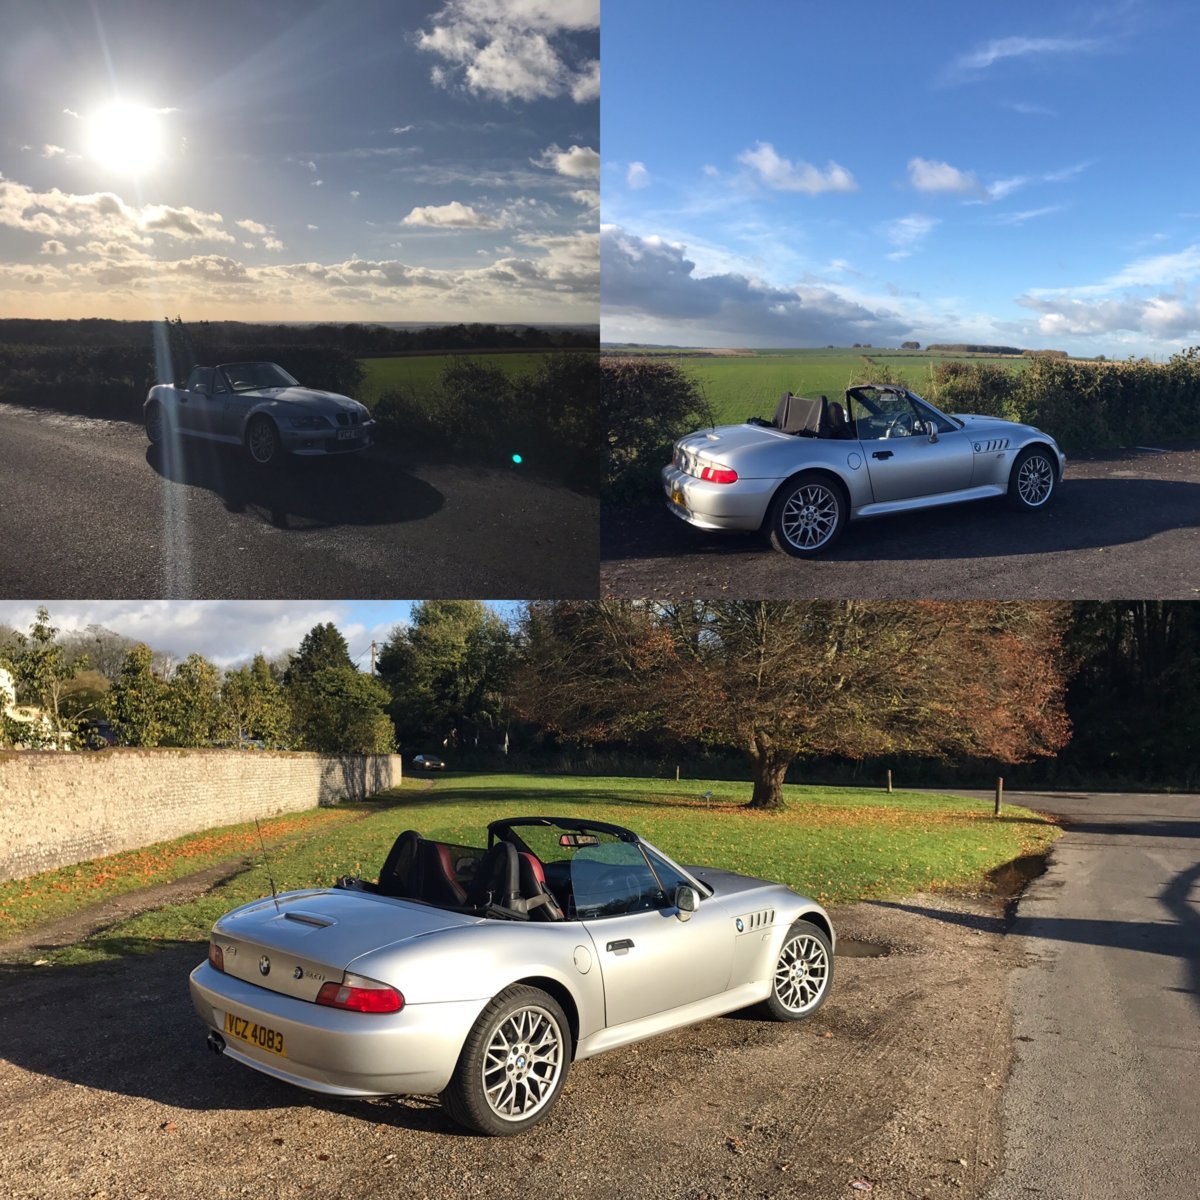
[650, 960]
[911, 451]
[201, 408]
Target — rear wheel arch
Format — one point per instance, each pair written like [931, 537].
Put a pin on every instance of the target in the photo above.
[562, 994]
[829, 474]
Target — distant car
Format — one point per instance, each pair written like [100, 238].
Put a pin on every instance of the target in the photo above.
[97, 735]
[818, 464]
[260, 406]
[428, 762]
[483, 974]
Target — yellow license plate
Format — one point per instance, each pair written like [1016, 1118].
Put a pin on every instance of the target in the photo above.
[677, 498]
[257, 1035]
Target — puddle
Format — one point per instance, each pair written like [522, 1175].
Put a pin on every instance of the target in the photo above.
[857, 949]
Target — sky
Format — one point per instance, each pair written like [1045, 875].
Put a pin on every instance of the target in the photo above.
[801, 174]
[228, 632]
[296, 160]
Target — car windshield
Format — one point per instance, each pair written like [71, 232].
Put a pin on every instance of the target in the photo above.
[244, 377]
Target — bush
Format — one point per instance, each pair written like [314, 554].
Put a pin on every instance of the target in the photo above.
[976, 387]
[645, 404]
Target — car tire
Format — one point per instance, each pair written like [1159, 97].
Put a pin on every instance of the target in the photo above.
[1033, 480]
[155, 422]
[263, 443]
[807, 515]
[803, 974]
[519, 1031]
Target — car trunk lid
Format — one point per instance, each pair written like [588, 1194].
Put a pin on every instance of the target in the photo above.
[309, 938]
[714, 446]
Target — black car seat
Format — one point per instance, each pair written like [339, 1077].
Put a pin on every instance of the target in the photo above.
[400, 875]
[538, 898]
[839, 427]
[497, 880]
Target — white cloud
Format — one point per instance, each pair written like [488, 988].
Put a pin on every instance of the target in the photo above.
[312, 227]
[317, 183]
[273, 243]
[70, 112]
[251, 226]
[355, 195]
[53, 247]
[49, 151]
[454, 215]
[786, 176]
[711, 171]
[312, 166]
[1003, 49]
[576, 162]
[930, 175]
[588, 197]
[514, 49]
[403, 128]
[637, 176]
[1029, 214]
[650, 279]
[906, 234]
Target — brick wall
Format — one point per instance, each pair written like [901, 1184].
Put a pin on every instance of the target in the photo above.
[61, 808]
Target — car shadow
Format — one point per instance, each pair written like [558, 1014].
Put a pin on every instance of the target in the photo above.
[1086, 514]
[128, 1027]
[300, 494]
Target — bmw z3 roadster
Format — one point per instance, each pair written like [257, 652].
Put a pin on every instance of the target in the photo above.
[817, 464]
[483, 974]
[260, 406]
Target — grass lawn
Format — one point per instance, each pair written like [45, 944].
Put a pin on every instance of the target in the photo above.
[420, 374]
[835, 844]
[747, 385]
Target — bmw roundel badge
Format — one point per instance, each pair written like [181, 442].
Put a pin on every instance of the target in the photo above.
[739, 923]
[264, 965]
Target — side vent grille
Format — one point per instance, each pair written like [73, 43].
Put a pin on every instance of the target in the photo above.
[757, 920]
[991, 445]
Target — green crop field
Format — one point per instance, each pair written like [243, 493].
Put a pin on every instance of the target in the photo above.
[421, 373]
[835, 844]
[749, 384]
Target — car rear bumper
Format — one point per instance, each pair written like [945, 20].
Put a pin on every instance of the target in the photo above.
[741, 505]
[336, 1052]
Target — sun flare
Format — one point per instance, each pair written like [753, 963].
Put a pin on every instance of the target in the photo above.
[126, 138]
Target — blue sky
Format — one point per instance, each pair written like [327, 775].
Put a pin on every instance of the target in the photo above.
[229, 632]
[797, 174]
[395, 160]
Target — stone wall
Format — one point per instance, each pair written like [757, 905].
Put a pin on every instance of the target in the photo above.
[61, 808]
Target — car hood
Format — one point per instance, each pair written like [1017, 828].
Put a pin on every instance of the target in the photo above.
[307, 399]
[318, 934]
[974, 423]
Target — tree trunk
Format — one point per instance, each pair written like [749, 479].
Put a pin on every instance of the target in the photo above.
[768, 766]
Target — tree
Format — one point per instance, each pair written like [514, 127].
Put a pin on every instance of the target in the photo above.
[254, 705]
[192, 713]
[782, 680]
[447, 671]
[42, 672]
[136, 700]
[323, 646]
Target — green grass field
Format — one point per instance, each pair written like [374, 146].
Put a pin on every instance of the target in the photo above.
[421, 373]
[836, 844]
[747, 385]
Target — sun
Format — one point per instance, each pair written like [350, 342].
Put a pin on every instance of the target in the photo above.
[125, 138]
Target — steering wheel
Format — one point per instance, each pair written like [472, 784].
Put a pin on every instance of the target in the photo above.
[902, 421]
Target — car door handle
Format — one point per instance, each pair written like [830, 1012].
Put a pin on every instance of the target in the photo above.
[882, 453]
[617, 947]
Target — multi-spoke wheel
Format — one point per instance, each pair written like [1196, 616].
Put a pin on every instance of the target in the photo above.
[1033, 477]
[262, 441]
[513, 1065]
[156, 423]
[807, 515]
[803, 973]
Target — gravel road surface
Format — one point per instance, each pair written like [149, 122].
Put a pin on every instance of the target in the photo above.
[1104, 1098]
[1123, 525]
[87, 510]
[107, 1092]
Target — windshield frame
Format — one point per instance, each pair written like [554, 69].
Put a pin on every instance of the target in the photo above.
[287, 379]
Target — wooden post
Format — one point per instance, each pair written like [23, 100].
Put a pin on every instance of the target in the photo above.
[677, 774]
[889, 780]
[999, 794]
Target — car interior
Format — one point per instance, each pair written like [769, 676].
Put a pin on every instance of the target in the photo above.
[809, 416]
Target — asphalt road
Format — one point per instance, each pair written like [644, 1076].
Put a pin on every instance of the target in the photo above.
[1104, 1098]
[88, 510]
[1122, 525]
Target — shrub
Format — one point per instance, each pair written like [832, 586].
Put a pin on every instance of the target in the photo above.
[645, 404]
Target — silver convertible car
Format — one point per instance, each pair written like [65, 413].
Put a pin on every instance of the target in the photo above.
[257, 405]
[818, 464]
[483, 974]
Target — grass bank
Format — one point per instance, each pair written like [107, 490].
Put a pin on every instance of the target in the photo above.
[835, 844]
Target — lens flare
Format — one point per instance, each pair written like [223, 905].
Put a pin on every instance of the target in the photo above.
[517, 459]
[125, 138]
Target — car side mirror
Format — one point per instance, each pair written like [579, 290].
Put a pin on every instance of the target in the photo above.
[687, 900]
[933, 437]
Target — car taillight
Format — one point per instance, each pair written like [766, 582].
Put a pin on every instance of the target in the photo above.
[216, 956]
[360, 994]
[719, 474]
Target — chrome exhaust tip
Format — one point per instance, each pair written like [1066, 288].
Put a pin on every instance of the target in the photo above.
[216, 1043]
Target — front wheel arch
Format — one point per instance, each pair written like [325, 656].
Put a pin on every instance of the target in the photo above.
[255, 422]
[1048, 453]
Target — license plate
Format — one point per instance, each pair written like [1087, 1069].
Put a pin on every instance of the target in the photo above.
[347, 435]
[256, 1035]
[677, 498]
